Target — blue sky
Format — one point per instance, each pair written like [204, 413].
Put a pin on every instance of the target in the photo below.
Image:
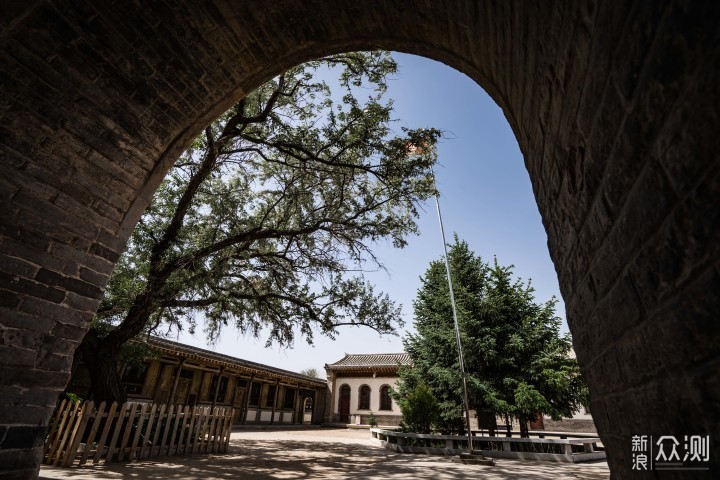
[486, 198]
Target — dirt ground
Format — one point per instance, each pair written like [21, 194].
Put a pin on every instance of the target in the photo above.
[321, 453]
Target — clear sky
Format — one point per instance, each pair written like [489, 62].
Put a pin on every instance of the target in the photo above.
[486, 198]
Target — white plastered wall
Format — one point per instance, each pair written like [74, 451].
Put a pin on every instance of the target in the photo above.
[375, 384]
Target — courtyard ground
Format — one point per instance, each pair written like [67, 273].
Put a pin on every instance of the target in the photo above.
[320, 453]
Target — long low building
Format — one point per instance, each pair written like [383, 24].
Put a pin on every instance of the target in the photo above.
[186, 375]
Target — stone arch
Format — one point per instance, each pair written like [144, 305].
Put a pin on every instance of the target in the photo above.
[614, 108]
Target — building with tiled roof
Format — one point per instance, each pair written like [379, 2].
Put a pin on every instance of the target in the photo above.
[359, 388]
[186, 375]
[376, 361]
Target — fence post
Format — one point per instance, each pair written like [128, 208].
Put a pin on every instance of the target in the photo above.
[77, 434]
[158, 424]
[55, 428]
[132, 411]
[138, 430]
[116, 432]
[106, 430]
[146, 435]
[166, 430]
[191, 438]
[93, 431]
[184, 414]
[72, 419]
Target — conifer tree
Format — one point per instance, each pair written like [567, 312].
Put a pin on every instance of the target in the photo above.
[518, 363]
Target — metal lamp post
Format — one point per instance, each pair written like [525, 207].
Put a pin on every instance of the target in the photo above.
[455, 320]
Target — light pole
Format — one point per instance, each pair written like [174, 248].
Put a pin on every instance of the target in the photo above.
[455, 320]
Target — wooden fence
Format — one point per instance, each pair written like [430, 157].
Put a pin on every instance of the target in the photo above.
[79, 432]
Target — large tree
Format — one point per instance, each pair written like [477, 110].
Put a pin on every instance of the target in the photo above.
[268, 220]
[518, 363]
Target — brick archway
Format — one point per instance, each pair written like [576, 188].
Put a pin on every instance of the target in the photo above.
[614, 108]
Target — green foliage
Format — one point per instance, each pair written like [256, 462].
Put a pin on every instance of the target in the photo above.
[266, 222]
[372, 420]
[310, 372]
[419, 408]
[518, 364]
[74, 398]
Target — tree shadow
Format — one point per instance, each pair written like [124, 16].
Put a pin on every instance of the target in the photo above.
[299, 459]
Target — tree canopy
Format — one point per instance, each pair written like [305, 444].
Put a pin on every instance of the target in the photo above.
[267, 221]
[518, 364]
[310, 372]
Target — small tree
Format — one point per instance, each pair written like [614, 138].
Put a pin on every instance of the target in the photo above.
[419, 408]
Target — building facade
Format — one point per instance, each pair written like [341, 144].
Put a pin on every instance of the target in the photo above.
[185, 375]
[359, 389]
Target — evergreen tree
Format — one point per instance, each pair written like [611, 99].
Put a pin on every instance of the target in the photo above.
[267, 219]
[517, 362]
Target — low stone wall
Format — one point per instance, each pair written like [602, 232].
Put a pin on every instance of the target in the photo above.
[569, 450]
[570, 425]
[380, 420]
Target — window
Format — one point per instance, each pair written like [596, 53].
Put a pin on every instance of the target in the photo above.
[364, 402]
[270, 399]
[289, 398]
[134, 377]
[385, 401]
[220, 391]
[255, 394]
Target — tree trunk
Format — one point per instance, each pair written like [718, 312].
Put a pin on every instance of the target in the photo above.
[102, 359]
[487, 420]
[524, 431]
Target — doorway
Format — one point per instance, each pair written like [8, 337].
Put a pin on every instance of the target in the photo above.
[344, 404]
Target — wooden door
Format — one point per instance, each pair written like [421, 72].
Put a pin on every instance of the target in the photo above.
[344, 404]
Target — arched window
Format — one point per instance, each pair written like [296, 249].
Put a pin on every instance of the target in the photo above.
[364, 400]
[385, 401]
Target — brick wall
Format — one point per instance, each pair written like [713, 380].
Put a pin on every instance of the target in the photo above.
[614, 104]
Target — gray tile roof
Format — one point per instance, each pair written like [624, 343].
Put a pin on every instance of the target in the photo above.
[370, 361]
[208, 355]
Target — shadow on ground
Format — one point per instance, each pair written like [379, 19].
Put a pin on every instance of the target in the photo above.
[307, 458]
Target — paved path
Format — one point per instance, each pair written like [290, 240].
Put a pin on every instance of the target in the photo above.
[321, 453]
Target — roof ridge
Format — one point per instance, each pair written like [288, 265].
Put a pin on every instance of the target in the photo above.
[229, 359]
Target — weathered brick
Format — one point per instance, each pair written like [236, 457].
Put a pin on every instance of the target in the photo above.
[39, 396]
[104, 252]
[24, 436]
[93, 277]
[43, 309]
[17, 266]
[9, 395]
[22, 286]
[82, 304]
[32, 377]
[19, 357]
[73, 332]
[74, 285]
[9, 300]
[20, 464]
